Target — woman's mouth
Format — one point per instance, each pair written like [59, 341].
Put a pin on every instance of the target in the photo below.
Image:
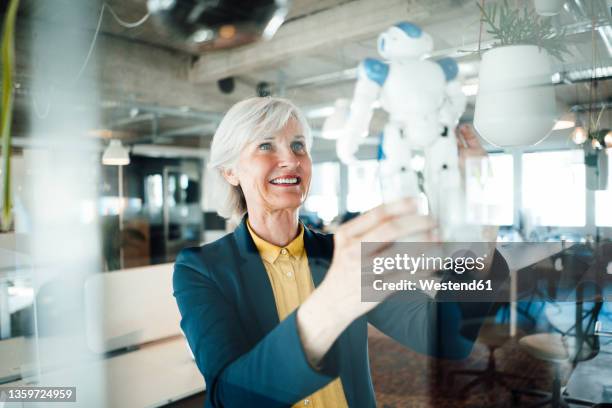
[286, 181]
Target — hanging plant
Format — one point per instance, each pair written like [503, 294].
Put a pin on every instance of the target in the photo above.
[511, 26]
[6, 114]
[515, 105]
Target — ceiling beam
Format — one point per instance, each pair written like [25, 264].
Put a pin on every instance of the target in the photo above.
[136, 71]
[120, 70]
[351, 21]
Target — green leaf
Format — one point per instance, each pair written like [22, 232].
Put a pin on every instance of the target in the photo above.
[510, 26]
[6, 113]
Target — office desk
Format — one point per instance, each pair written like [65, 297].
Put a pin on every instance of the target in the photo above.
[152, 376]
[519, 256]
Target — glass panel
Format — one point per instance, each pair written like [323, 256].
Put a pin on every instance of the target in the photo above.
[154, 193]
[182, 212]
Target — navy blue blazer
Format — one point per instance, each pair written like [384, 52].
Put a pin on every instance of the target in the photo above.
[250, 359]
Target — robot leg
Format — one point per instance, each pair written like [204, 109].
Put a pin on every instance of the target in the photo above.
[398, 179]
[444, 189]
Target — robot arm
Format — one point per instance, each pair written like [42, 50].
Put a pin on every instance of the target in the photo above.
[453, 106]
[372, 76]
[455, 100]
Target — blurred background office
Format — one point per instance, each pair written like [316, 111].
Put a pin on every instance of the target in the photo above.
[114, 105]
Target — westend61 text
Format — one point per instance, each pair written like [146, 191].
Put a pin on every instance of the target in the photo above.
[433, 285]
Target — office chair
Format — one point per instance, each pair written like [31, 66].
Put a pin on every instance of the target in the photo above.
[558, 348]
[493, 335]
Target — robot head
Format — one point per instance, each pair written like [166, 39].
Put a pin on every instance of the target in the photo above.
[404, 40]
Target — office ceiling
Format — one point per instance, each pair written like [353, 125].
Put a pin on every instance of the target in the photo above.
[154, 89]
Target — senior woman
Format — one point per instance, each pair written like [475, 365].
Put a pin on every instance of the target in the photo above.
[272, 311]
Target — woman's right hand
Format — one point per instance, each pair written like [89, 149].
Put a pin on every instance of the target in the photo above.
[338, 301]
[380, 227]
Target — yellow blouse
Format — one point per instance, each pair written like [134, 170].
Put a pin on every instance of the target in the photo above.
[291, 282]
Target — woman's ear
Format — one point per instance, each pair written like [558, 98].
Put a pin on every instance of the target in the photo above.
[230, 176]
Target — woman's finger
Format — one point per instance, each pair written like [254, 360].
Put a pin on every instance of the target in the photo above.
[461, 144]
[469, 136]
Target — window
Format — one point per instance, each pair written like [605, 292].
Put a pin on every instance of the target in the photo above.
[324, 190]
[154, 196]
[603, 199]
[363, 186]
[554, 188]
[503, 186]
[603, 204]
[490, 190]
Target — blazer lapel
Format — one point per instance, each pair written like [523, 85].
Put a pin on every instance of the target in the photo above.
[255, 279]
[319, 257]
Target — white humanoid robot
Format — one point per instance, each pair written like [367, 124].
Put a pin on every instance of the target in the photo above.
[424, 103]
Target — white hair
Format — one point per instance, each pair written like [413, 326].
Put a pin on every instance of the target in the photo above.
[246, 122]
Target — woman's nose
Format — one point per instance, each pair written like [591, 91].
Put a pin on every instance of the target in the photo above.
[287, 159]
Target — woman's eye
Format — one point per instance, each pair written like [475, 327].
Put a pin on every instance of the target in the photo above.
[265, 146]
[297, 146]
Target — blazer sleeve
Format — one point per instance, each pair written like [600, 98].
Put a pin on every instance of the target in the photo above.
[435, 328]
[274, 372]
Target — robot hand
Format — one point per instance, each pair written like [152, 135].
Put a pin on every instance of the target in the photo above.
[346, 147]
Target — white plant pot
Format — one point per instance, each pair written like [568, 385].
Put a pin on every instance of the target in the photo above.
[548, 8]
[515, 105]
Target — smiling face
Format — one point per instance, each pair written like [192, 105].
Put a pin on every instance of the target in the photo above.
[274, 172]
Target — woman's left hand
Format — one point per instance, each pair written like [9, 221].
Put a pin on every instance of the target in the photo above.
[468, 145]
